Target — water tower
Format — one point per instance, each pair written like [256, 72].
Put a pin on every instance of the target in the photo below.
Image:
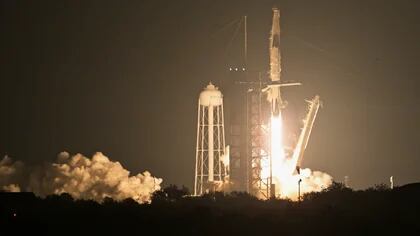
[211, 161]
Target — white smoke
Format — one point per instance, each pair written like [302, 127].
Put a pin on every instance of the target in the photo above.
[312, 181]
[14, 188]
[81, 177]
[10, 174]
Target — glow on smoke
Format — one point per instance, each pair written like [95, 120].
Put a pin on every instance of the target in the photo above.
[284, 175]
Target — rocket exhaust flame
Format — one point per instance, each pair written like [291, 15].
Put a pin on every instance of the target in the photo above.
[285, 172]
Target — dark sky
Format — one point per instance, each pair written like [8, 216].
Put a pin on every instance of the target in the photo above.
[123, 77]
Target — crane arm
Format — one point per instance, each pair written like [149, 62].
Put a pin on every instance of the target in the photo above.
[308, 123]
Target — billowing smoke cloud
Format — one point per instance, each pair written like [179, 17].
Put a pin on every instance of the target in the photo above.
[10, 174]
[312, 181]
[83, 178]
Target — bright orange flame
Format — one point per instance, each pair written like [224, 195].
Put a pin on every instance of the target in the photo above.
[283, 168]
[277, 149]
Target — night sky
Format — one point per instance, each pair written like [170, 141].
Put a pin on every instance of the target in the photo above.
[123, 78]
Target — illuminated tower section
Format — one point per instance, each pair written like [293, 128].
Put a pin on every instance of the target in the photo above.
[211, 163]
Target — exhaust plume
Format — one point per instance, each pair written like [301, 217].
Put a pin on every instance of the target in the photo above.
[312, 181]
[83, 178]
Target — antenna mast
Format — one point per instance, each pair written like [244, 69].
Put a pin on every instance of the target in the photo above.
[245, 42]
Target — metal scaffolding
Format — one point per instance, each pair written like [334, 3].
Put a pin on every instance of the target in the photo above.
[258, 143]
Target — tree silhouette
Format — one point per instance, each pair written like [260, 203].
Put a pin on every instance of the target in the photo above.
[170, 194]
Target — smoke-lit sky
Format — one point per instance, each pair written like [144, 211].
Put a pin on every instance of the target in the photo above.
[123, 77]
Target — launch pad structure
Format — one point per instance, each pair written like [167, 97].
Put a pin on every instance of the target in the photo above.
[258, 144]
[250, 105]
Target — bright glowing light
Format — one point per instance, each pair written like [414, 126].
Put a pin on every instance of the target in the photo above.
[283, 168]
[277, 149]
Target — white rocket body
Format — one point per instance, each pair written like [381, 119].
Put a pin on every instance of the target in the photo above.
[275, 65]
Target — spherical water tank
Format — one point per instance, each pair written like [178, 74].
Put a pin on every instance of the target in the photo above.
[211, 95]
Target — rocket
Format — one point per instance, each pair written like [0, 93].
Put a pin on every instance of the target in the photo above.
[273, 87]
[275, 66]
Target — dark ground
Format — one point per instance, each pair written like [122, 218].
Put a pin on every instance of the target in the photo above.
[335, 211]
